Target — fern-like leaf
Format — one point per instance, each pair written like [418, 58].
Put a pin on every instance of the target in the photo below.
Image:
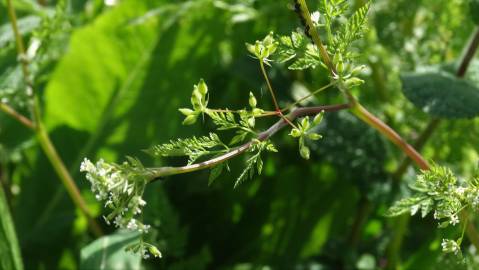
[352, 30]
[193, 147]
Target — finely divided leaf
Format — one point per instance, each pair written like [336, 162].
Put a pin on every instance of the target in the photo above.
[193, 147]
[353, 29]
[405, 205]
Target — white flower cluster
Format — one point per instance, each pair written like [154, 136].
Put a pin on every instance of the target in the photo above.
[450, 246]
[120, 189]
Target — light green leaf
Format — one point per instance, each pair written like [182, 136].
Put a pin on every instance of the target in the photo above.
[9, 251]
[441, 94]
[108, 253]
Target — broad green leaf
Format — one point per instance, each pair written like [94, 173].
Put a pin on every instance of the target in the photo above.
[109, 253]
[9, 251]
[441, 94]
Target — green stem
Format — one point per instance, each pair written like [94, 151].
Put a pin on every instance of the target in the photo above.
[42, 134]
[157, 173]
[17, 116]
[363, 114]
[270, 88]
[308, 96]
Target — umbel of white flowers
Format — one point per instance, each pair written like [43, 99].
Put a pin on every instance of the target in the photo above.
[112, 185]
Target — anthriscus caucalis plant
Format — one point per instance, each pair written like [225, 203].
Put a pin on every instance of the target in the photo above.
[120, 186]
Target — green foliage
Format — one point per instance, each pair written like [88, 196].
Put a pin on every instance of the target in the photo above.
[440, 191]
[108, 253]
[305, 131]
[194, 148]
[474, 10]
[10, 257]
[109, 79]
[351, 31]
[441, 94]
[255, 163]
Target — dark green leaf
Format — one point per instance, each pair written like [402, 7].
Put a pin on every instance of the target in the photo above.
[474, 10]
[441, 94]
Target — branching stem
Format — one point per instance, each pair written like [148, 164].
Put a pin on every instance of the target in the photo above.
[157, 173]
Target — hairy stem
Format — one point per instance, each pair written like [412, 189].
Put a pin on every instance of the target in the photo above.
[42, 134]
[157, 173]
[17, 116]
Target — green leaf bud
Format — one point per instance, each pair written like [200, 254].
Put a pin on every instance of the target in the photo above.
[314, 136]
[318, 118]
[354, 81]
[154, 251]
[251, 48]
[304, 151]
[305, 123]
[295, 133]
[202, 87]
[251, 122]
[252, 100]
[186, 111]
[357, 70]
[257, 111]
[190, 119]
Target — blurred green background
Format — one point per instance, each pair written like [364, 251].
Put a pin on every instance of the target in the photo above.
[111, 75]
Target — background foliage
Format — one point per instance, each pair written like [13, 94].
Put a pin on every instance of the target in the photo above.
[111, 78]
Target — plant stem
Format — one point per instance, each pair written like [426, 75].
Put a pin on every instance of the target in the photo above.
[389, 133]
[313, 32]
[65, 177]
[17, 116]
[270, 88]
[42, 134]
[157, 173]
[308, 96]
